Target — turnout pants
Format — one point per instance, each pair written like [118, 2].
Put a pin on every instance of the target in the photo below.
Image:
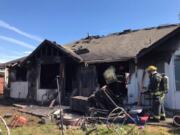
[158, 109]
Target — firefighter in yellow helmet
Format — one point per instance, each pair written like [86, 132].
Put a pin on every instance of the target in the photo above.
[151, 68]
[157, 88]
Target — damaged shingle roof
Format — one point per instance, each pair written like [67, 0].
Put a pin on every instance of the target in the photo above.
[119, 46]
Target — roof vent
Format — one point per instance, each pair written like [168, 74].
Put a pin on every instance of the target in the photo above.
[149, 28]
[92, 37]
[80, 50]
[127, 31]
[166, 26]
[123, 32]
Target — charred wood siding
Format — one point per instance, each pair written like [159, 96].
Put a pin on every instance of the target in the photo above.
[87, 80]
[45, 55]
[32, 82]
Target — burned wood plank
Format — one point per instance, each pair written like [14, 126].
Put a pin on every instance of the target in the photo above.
[20, 106]
[79, 103]
[38, 111]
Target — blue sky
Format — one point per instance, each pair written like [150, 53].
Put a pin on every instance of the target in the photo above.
[25, 23]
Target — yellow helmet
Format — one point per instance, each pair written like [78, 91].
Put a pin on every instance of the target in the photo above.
[151, 68]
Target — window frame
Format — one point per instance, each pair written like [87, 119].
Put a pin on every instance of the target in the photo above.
[177, 57]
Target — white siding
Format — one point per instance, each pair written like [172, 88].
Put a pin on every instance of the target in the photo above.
[132, 89]
[42, 94]
[19, 90]
[6, 76]
[170, 96]
[135, 85]
[173, 97]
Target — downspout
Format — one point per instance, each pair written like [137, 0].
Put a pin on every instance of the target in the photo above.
[138, 85]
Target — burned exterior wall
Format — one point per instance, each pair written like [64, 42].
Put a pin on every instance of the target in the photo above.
[44, 65]
[45, 92]
[90, 77]
[87, 80]
[40, 73]
[32, 74]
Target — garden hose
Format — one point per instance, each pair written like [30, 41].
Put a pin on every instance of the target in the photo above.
[176, 122]
[7, 128]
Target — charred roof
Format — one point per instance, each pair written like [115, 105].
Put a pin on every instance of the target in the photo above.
[120, 46]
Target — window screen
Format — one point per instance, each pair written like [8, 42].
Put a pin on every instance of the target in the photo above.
[177, 72]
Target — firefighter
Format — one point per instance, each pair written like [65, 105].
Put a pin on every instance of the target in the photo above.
[158, 86]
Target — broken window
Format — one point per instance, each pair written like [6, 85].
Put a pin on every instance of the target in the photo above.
[21, 74]
[177, 72]
[48, 76]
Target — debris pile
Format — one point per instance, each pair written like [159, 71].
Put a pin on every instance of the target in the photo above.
[18, 121]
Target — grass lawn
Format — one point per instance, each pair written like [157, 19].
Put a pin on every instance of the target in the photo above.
[52, 129]
[34, 128]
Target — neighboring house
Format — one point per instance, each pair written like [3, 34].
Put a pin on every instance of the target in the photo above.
[81, 64]
[6, 70]
[1, 79]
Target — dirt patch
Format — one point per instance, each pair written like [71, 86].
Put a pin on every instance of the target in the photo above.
[10, 110]
[34, 128]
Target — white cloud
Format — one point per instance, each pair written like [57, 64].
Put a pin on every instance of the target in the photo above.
[27, 52]
[12, 28]
[10, 52]
[7, 58]
[17, 42]
[4, 60]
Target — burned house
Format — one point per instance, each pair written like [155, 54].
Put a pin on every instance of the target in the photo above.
[81, 65]
[34, 77]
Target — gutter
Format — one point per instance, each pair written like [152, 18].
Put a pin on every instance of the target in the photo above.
[98, 61]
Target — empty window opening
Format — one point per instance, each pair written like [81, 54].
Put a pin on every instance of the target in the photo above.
[21, 74]
[48, 76]
[70, 73]
[120, 70]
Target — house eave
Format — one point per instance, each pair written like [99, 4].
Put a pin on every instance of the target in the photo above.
[98, 61]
